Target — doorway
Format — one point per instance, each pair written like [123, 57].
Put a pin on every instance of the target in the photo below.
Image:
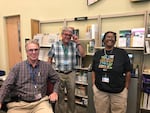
[35, 26]
[13, 39]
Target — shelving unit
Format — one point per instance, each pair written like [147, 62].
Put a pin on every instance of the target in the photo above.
[55, 26]
[145, 98]
[116, 22]
[110, 22]
[45, 41]
[147, 34]
[83, 90]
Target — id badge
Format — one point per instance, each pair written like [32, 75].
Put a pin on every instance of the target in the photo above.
[105, 79]
[38, 96]
[65, 62]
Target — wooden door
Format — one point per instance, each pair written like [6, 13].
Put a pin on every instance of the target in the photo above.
[35, 27]
[13, 40]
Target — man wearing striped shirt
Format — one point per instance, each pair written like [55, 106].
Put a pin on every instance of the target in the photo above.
[65, 54]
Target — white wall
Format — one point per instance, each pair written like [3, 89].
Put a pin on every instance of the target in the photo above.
[56, 9]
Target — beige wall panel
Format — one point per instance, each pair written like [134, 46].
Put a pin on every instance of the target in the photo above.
[57, 9]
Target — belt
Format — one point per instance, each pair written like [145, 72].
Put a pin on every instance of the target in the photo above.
[30, 100]
[64, 72]
[18, 99]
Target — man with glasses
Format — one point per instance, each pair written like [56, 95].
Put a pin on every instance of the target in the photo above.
[27, 84]
[65, 53]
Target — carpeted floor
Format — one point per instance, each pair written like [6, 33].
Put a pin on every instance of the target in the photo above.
[2, 111]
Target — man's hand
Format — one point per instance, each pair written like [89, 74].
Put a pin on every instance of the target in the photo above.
[53, 97]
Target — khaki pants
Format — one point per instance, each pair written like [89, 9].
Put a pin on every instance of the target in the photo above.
[41, 106]
[110, 102]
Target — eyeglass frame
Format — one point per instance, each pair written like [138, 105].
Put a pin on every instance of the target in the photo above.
[69, 35]
[33, 50]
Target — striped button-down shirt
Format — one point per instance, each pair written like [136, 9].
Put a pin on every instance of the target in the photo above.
[65, 60]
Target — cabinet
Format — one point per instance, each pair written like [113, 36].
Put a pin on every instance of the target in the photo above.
[83, 89]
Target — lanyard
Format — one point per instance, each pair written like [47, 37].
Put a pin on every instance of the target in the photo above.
[65, 48]
[33, 73]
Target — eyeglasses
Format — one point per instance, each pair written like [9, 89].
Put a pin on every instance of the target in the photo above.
[69, 35]
[33, 50]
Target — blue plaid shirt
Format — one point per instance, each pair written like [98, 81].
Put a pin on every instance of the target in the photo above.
[64, 61]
